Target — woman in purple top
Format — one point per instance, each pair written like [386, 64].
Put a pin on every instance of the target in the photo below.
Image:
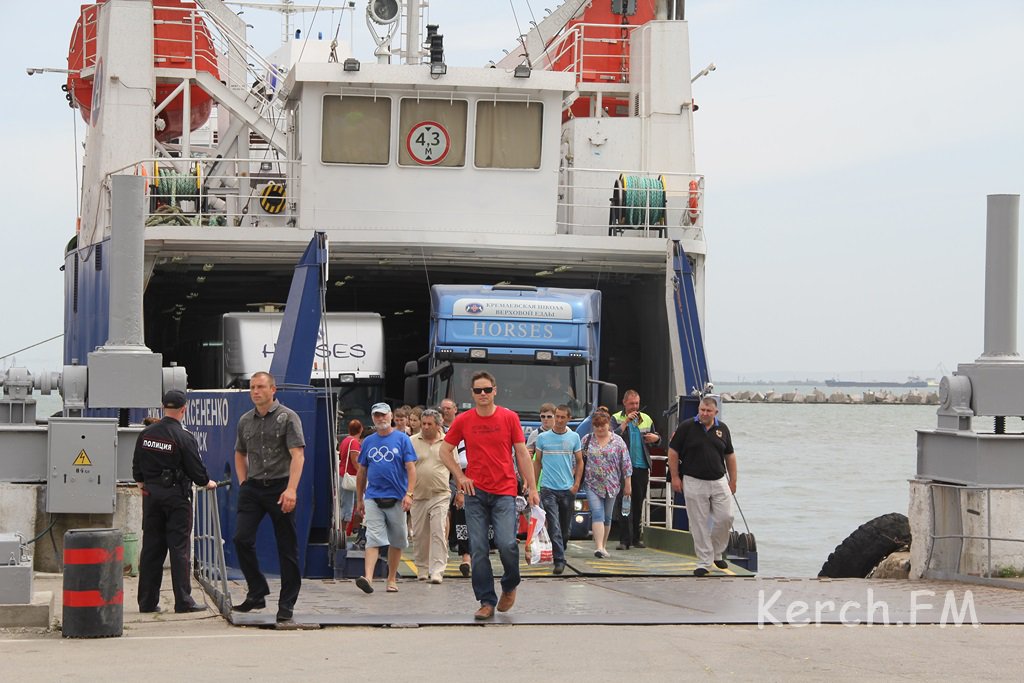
[608, 468]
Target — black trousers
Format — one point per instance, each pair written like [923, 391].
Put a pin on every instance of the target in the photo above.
[166, 525]
[629, 530]
[254, 501]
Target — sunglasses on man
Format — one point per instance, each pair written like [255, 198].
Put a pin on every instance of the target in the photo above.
[482, 390]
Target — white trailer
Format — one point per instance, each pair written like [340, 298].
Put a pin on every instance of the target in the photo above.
[349, 349]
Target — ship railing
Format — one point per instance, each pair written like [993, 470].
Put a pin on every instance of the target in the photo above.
[185, 52]
[258, 67]
[207, 191]
[660, 506]
[90, 18]
[226, 41]
[210, 568]
[594, 53]
[966, 529]
[595, 201]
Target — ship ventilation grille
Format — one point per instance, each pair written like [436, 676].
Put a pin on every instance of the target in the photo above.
[636, 104]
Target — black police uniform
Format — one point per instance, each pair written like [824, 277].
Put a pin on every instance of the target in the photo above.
[167, 461]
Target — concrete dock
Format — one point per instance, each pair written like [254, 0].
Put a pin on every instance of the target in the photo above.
[168, 646]
[640, 614]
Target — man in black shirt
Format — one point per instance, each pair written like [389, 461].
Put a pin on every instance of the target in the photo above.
[165, 464]
[699, 456]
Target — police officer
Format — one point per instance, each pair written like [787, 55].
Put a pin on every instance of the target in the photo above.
[165, 464]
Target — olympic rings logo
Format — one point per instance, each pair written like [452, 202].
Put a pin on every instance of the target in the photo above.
[381, 454]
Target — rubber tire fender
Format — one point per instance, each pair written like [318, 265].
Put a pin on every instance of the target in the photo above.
[862, 550]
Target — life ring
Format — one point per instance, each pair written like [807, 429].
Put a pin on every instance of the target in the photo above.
[140, 169]
[694, 212]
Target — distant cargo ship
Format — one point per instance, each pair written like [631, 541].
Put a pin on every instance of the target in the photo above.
[912, 382]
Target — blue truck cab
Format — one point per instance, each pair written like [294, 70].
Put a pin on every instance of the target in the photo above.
[541, 344]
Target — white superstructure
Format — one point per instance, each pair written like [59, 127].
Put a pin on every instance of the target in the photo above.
[572, 166]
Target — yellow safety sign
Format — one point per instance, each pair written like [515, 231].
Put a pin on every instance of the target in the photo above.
[83, 459]
[272, 198]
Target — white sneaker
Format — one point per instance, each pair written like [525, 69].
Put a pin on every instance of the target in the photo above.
[436, 578]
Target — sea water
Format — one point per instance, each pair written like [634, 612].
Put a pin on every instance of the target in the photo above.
[809, 474]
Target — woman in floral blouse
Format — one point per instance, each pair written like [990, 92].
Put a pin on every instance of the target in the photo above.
[608, 468]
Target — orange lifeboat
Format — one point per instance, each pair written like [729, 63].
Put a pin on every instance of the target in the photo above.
[596, 46]
[177, 27]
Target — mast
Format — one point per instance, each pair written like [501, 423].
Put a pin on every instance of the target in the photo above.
[413, 37]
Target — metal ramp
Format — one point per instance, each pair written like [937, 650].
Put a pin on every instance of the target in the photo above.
[580, 561]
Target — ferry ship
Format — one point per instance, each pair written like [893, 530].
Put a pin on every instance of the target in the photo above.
[912, 382]
[567, 164]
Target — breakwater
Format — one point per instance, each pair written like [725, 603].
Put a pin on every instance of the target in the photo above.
[913, 397]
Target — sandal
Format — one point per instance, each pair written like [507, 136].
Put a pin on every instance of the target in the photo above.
[392, 588]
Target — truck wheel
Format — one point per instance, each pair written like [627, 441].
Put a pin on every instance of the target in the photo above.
[867, 546]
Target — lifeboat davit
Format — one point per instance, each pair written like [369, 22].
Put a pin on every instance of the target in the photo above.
[177, 27]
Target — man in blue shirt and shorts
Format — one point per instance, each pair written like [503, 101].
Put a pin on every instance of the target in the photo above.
[384, 486]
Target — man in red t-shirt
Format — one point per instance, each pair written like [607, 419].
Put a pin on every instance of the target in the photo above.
[492, 434]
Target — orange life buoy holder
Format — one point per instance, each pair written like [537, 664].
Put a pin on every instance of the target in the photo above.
[140, 169]
[694, 204]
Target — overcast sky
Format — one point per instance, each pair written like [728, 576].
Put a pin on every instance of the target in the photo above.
[848, 148]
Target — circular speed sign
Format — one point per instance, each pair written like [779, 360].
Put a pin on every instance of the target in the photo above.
[428, 143]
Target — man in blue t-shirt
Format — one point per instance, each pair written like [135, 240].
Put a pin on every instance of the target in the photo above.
[560, 456]
[387, 477]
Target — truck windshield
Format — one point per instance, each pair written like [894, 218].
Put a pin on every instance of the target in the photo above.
[523, 388]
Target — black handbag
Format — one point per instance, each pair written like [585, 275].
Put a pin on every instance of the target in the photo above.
[385, 503]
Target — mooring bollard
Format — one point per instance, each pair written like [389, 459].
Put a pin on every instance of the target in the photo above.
[93, 583]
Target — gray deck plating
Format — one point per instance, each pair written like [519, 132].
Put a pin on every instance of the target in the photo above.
[654, 600]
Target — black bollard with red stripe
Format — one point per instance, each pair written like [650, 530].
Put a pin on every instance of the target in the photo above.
[93, 583]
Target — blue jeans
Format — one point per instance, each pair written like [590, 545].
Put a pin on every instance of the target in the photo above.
[348, 500]
[601, 509]
[558, 508]
[483, 510]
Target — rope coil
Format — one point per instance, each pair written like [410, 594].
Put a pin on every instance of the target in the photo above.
[639, 201]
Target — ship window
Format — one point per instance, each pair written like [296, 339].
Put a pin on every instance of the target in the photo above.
[432, 132]
[508, 134]
[355, 130]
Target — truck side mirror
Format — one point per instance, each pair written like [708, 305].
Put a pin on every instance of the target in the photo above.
[412, 368]
[412, 388]
[607, 394]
